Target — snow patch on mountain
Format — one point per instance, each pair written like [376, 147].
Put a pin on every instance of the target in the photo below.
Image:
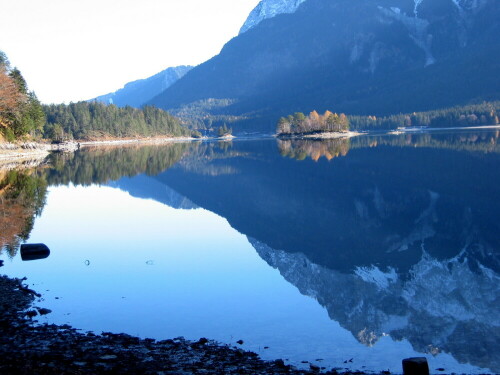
[376, 276]
[269, 9]
[416, 27]
[415, 9]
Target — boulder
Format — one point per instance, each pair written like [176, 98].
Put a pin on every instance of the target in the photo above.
[415, 366]
[34, 251]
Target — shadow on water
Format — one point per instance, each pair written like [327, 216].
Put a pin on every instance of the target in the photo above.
[393, 235]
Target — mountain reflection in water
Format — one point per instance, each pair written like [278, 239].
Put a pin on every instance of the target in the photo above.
[393, 235]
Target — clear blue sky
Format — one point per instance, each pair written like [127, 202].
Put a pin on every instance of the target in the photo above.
[71, 50]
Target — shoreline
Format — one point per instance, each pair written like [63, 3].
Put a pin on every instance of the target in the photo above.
[333, 135]
[27, 161]
[28, 347]
[22, 151]
[124, 141]
[15, 152]
[398, 131]
[423, 130]
[324, 135]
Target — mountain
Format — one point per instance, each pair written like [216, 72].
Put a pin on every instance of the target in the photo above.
[268, 9]
[372, 57]
[136, 93]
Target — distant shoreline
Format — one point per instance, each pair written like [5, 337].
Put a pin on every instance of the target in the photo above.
[321, 135]
[402, 130]
[423, 130]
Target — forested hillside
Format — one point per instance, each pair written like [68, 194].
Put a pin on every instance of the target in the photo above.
[23, 116]
[91, 121]
[486, 113]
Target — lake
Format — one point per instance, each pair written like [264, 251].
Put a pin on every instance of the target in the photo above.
[344, 253]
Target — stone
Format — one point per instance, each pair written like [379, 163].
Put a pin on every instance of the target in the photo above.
[314, 367]
[34, 251]
[279, 363]
[43, 311]
[31, 313]
[415, 366]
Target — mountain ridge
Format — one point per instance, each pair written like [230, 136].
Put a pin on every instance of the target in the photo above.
[363, 57]
[138, 92]
[268, 9]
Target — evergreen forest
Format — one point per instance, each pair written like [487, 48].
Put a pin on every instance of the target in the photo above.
[482, 114]
[22, 116]
[94, 121]
[486, 113]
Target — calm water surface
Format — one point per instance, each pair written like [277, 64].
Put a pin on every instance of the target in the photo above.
[370, 250]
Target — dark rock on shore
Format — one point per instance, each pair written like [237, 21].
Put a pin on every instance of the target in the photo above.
[34, 251]
[415, 366]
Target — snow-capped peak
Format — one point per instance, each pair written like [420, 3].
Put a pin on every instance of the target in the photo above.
[268, 9]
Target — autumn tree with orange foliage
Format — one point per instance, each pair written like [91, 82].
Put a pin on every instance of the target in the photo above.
[20, 110]
[10, 97]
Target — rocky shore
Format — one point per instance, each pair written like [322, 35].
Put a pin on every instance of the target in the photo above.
[23, 150]
[320, 135]
[332, 135]
[29, 348]
[31, 150]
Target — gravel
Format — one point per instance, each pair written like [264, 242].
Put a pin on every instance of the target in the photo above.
[30, 348]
